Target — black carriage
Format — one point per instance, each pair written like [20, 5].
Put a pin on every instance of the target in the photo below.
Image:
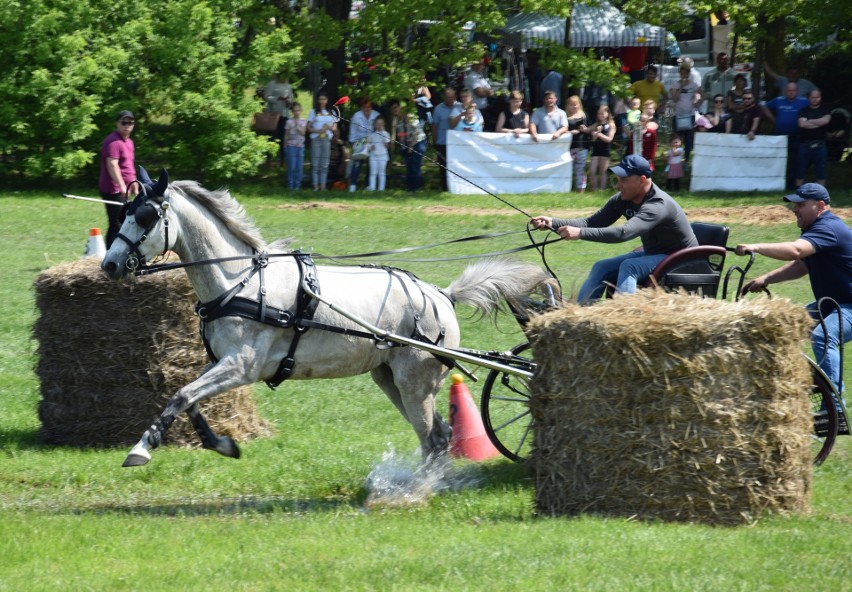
[504, 402]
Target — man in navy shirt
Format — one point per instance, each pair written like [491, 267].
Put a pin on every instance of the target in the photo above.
[784, 112]
[824, 253]
[813, 122]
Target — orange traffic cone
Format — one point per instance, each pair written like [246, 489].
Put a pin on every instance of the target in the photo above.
[95, 247]
[469, 438]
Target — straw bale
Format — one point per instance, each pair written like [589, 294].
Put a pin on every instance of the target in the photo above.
[669, 406]
[110, 355]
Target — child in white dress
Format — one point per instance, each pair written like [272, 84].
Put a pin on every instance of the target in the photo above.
[379, 141]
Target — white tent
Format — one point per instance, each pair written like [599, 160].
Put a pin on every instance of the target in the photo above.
[591, 26]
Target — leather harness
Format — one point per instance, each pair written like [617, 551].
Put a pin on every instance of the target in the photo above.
[300, 319]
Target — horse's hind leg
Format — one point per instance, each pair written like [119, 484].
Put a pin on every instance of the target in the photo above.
[224, 445]
[411, 386]
[383, 376]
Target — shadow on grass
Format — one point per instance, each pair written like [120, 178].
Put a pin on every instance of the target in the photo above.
[495, 475]
[247, 504]
[21, 439]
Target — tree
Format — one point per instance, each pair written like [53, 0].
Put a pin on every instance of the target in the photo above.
[392, 44]
[185, 67]
[188, 68]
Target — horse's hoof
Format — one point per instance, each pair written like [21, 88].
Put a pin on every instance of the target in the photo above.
[135, 460]
[226, 446]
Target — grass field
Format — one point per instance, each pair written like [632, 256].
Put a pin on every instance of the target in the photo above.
[291, 514]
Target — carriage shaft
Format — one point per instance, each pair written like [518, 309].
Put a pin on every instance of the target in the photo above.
[422, 345]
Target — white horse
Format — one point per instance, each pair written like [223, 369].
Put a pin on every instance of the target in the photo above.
[200, 225]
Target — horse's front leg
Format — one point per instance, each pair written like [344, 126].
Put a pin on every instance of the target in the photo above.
[224, 445]
[228, 373]
[141, 453]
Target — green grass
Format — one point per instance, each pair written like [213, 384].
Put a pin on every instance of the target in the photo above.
[290, 514]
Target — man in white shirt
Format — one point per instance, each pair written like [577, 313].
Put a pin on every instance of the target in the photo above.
[478, 84]
[278, 94]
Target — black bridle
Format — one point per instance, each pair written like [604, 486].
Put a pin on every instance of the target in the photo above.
[149, 208]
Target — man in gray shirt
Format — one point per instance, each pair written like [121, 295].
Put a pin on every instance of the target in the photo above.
[445, 111]
[549, 119]
[652, 215]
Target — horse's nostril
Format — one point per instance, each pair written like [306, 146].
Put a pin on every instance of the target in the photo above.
[109, 267]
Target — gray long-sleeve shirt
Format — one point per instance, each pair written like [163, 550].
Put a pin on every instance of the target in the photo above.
[659, 221]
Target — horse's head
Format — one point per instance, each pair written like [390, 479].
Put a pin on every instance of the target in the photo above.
[144, 232]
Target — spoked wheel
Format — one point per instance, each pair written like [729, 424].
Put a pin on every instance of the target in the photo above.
[824, 408]
[506, 411]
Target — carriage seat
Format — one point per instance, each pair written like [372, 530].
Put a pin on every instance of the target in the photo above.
[697, 270]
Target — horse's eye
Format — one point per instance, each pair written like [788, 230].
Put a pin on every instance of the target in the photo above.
[146, 215]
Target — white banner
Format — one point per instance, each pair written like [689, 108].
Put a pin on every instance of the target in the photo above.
[505, 163]
[732, 162]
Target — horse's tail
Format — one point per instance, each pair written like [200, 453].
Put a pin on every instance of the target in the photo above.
[488, 283]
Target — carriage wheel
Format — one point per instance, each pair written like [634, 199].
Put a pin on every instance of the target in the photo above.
[824, 407]
[506, 411]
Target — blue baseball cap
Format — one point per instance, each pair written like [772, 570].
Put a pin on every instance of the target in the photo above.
[631, 165]
[812, 191]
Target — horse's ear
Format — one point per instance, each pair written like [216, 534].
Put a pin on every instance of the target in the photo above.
[144, 177]
[162, 184]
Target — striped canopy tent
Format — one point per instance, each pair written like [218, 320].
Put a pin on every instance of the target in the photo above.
[529, 30]
[591, 26]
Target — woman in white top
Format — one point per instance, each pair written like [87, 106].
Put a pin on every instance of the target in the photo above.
[321, 126]
[686, 95]
[379, 141]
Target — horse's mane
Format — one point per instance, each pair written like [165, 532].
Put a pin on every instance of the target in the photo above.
[227, 209]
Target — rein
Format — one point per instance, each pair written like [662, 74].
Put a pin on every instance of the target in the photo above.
[154, 268]
[343, 100]
[534, 245]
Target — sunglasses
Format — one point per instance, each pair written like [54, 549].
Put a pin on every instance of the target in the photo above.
[127, 122]
[719, 100]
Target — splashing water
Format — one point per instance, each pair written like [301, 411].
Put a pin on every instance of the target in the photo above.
[401, 480]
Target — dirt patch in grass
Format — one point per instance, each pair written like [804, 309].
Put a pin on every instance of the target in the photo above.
[315, 205]
[751, 215]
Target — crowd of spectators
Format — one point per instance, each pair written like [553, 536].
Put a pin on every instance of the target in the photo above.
[399, 133]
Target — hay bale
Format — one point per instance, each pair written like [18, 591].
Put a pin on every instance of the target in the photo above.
[673, 407]
[110, 355]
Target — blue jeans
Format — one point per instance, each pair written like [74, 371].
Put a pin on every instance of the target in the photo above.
[826, 342]
[414, 166]
[356, 171]
[812, 152]
[625, 271]
[295, 156]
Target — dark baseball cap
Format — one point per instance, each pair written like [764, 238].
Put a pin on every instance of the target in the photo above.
[813, 191]
[631, 165]
[127, 114]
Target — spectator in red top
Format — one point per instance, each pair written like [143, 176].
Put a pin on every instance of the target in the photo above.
[118, 159]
